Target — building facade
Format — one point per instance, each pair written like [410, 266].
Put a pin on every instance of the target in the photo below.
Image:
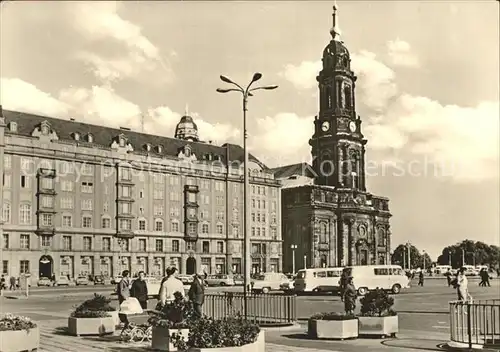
[80, 199]
[333, 220]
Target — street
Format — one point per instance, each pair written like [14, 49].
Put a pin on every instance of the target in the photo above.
[423, 309]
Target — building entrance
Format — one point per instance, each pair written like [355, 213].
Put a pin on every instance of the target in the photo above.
[45, 266]
[191, 266]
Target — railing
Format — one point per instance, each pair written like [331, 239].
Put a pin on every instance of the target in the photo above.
[475, 324]
[263, 309]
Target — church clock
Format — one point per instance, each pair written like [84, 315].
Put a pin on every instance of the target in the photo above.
[325, 126]
[352, 126]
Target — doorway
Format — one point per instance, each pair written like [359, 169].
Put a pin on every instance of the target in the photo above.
[191, 266]
[45, 266]
[363, 257]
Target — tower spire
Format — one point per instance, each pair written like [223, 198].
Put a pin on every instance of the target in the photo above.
[186, 110]
[335, 31]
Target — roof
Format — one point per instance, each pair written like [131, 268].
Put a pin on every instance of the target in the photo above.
[104, 136]
[300, 169]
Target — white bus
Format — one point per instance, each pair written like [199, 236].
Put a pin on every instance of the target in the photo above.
[442, 269]
[387, 277]
[318, 280]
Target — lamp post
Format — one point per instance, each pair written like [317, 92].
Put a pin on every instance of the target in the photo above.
[423, 260]
[305, 262]
[121, 243]
[293, 247]
[463, 257]
[247, 92]
[408, 246]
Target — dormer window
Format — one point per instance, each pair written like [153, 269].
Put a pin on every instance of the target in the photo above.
[13, 127]
[90, 138]
[122, 142]
[76, 136]
[45, 128]
[187, 150]
[159, 149]
[208, 156]
[147, 146]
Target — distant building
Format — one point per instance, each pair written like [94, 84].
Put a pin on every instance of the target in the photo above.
[326, 210]
[80, 199]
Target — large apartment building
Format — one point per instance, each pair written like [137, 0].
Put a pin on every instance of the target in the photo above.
[80, 199]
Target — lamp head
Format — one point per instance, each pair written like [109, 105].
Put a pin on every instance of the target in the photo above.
[256, 76]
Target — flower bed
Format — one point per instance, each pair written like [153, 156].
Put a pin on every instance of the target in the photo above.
[377, 317]
[95, 316]
[333, 326]
[18, 333]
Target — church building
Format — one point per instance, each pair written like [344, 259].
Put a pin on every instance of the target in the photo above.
[329, 218]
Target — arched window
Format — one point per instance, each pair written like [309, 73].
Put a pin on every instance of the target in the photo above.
[6, 212]
[323, 233]
[347, 97]
[381, 237]
[354, 159]
[25, 214]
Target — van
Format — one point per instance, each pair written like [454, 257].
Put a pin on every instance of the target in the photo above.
[387, 277]
[442, 269]
[470, 270]
[266, 282]
[318, 280]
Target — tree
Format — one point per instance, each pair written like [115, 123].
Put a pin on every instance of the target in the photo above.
[470, 252]
[400, 256]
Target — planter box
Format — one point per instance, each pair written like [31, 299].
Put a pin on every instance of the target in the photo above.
[258, 346]
[91, 326]
[161, 340]
[20, 340]
[333, 329]
[378, 326]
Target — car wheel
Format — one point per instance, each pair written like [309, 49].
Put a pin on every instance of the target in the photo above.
[362, 291]
[222, 284]
[396, 289]
[266, 290]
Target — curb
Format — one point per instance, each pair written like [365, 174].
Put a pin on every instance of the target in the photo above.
[447, 347]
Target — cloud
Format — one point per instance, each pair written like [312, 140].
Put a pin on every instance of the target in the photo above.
[16, 94]
[400, 53]
[302, 76]
[100, 22]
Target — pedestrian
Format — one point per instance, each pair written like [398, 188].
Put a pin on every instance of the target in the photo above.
[171, 284]
[12, 281]
[139, 290]
[346, 273]
[349, 296]
[123, 290]
[197, 294]
[421, 278]
[448, 277]
[462, 285]
[485, 278]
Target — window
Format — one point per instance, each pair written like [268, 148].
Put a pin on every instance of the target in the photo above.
[142, 225]
[174, 180]
[273, 218]
[126, 224]
[65, 168]
[6, 240]
[253, 203]
[174, 226]
[47, 183]
[174, 212]
[158, 179]
[220, 215]
[125, 208]
[125, 191]
[321, 274]
[141, 194]
[219, 200]
[87, 222]
[219, 186]
[381, 237]
[87, 204]
[126, 173]
[190, 246]
[106, 244]
[263, 231]
[158, 193]
[205, 248]
[273, 206]
[90, 138]
[253, 217]
[107, 171]
[25, 241]
[159, 225]
[323, 233]
[220, 247]
[25, 214]
[191, 212]
[46, 241]
[25, 182]
[235, 202]
[333, 273]
[220, 229]
[7, 180]
[67, 186]
[159, 245]
[67, 203]
[87, 243]
[190, 181]
[274, 233]
[175, 246]
[381, 271]
[67, 245]
[106, 223]
[6, 212]
[236, 231]
[24, 266]
[67, 221]
[204, 228]
[5, 267]
[175, 196]
[142, 244]
[7, 161]
[87, 187]
[46, 220]
[191, 228]
[158, 210]
[87, 169]
[192, 197]
[105, 207]
[258, 217]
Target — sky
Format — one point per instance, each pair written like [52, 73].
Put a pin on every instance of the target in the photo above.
[427, 89]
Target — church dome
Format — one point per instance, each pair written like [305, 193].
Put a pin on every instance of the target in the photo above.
[186, 129]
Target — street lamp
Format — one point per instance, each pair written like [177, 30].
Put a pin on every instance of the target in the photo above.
[423, 259]
[408, 245]
[293, 247]
[247, 92]
[121, 244]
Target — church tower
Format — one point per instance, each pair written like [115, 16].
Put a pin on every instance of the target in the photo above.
[338, 150]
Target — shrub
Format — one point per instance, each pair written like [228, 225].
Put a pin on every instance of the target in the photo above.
[377, 303]
[206, 332]
[11, 322]
[174, 315]
[332, 316]
[96, 307]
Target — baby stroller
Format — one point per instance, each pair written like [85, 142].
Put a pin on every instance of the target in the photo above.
[137, 330]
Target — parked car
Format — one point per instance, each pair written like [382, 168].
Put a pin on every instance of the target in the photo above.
[44, 281]
[267, 282]
[99, 280]
[62, 281]
[238, 280]
[116, 280]
[219, 280]
[82, 280]
[186, 279]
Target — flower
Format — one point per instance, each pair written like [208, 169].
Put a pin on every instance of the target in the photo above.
[11, 322]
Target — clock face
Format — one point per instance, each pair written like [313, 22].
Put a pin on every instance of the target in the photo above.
[352, 126]
[325, 126]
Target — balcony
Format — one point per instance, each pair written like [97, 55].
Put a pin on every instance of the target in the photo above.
[125, 234]
[45, 230]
